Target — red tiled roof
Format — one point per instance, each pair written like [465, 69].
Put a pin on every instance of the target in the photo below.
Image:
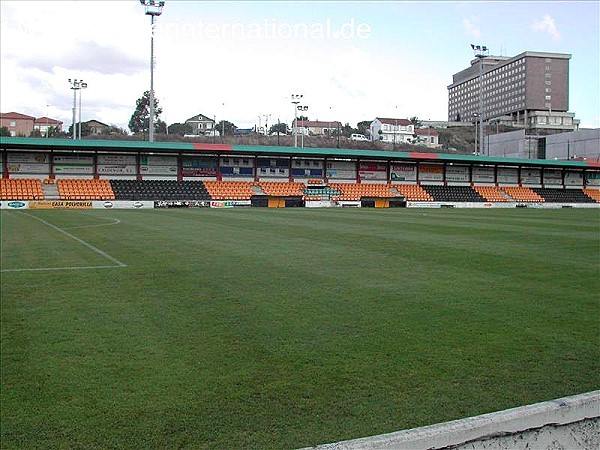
[15, 115]
[47, 121]
[394, 121]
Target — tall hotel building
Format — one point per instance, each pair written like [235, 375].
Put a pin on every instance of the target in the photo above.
[530, 90]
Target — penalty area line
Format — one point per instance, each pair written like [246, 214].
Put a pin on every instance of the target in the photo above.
[40, 269]
[81, 241]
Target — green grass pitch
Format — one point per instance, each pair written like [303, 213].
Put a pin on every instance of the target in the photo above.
[260, 328]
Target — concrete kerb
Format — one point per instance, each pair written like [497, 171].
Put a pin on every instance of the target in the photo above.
[513, 421]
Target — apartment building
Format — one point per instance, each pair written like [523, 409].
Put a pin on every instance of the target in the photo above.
[530, 90]
[17, 124]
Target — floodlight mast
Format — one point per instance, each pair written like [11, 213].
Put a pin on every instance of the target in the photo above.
[153, 9]
[481, 51]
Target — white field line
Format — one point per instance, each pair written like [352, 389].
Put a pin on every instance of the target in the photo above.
[82, 242]
[39, 269]
[115, 222]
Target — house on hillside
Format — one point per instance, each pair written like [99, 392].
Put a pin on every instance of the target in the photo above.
[316, 127]
[18, 124]
[96, 127]
[201, 124]
[427, 137]
[392, 130]
[43, 124]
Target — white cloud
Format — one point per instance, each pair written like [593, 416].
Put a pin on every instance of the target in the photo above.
[471, 29]
[547, 25]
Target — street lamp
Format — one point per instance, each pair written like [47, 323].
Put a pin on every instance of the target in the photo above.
[75, 86]
[295, 100]
[481, 51]
[302, 108]
[153, 9]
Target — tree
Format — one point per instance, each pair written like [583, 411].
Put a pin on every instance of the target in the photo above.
[280, 127]
[113, 129]
[4, 131]
[225, 128]
[140, 119]
[364, 127]
[415, 121]
[160, 126]
[347, 130]
[85, 129]
[180, 129]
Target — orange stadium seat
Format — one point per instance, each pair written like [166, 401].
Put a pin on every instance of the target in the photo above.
[76, 189]
[21, 189]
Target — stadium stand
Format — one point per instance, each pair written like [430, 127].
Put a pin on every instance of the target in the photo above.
[355, 191]
[230, 190]
[491, 193]
[21, 189]
[522, 194]
[453, 193]
[551, 195]
[594, 194]
[159, 190]
[77, 189]
[278, 189]
[413, 192]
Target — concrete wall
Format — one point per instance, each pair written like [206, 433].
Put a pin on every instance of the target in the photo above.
[567, 423]
[584, 143]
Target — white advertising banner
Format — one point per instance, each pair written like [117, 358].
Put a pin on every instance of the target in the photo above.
[531, 176]
[117, 160]
[273, 172]
[431, 172]
[36, 158]
[592, 178]
[372, 171]
[70, 169]
[573, 178]
[508, 175]
[27, 168]
[482, 174]
[341, 170]
[403, 172]
[552, 177]
[78, 160]
[158, 160]
[117, 170]
[158, 170]
[457, 173]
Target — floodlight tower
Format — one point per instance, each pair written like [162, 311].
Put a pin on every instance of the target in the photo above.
[153, 9]
[481, 51]
[295, 100]
[76, 85]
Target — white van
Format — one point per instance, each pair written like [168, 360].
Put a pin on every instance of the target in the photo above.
[358, 137]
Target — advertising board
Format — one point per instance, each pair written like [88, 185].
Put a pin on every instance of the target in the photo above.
[457, 173]
[403, 172]
[35, 158]
[531, 176]
[372, 171]
[341, 170]
[483, 174]
[508, 175]
[431, 172]
[552, 177]
[117, 160]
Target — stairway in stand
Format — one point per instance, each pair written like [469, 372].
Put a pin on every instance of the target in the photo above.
[50, 192]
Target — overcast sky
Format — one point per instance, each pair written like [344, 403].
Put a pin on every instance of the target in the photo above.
[239, 60]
